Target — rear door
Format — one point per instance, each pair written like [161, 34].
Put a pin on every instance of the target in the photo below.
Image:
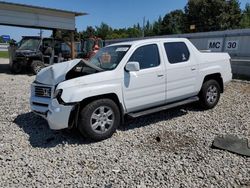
[145, 88]
[182, 71]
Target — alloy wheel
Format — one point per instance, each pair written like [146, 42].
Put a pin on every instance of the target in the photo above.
[102, 119]
[212, 94]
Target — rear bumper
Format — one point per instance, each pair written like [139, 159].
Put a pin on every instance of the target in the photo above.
[228, 79]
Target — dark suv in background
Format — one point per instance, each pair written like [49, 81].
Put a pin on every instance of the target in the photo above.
[35, 53]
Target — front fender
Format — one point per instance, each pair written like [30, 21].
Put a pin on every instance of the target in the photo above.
[79, 93]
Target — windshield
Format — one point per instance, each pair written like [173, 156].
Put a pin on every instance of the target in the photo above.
[109, 57]
[29, 44]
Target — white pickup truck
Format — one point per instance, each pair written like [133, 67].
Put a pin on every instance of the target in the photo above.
[128, 79]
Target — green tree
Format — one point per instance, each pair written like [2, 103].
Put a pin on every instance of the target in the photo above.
[1, 39]
[89, 32]
[173, 23]
[231, 16]
[117, 33]
[103, 30]
[132, 32]
[157, 26]
[148, 29]
[211, 15]
[65, 35]
[245, 21]
[138, 27]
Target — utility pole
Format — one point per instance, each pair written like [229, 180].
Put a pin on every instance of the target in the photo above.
[143, 27]
[41, 33]
[72, 47]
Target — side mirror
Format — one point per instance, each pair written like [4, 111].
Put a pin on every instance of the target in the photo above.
[132, 66]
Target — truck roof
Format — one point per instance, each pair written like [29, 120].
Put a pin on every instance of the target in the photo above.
[142, 41]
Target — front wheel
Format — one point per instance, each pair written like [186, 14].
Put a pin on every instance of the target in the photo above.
[99, 119]
[37, 66]
[210, 94]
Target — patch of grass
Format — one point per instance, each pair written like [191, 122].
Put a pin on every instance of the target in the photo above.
[4, 54]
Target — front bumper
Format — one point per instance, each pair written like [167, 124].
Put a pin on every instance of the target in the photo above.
[23, 61]
[56, 114]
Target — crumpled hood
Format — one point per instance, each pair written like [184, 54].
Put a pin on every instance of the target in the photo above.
[55, 74]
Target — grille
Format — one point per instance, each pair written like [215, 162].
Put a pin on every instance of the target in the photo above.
[42, 91]
[40, 104]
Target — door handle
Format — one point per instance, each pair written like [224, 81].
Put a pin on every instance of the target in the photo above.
[193, 69]
[160, 75]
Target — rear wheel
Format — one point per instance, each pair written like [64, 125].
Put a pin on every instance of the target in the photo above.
[99, 119]
[37, 66]
[210, 94]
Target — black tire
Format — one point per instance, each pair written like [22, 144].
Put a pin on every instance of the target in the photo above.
[36, 66]
[210, 94]
[16, 68]
[94, 126]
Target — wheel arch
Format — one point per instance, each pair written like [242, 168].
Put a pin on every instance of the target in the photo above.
[217, 77]
[88, 100]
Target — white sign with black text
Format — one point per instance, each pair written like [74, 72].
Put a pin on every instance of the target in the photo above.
[215, 45]
[232, 45]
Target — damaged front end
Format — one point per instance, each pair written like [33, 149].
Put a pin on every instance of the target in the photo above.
[44, 104]
[45, 99]
[58, 73]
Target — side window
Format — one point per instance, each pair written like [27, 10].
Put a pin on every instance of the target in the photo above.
[147, 56]
[177, 52]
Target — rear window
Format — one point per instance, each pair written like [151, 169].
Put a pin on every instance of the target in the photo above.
[177, 52]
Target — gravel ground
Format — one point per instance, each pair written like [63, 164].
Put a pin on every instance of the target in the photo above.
[167, 149]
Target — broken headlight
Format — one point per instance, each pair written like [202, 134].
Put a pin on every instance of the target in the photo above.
[58, 93]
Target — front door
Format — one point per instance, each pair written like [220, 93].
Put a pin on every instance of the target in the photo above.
[145, 88]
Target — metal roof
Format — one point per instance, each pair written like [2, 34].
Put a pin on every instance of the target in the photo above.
[44, 8]
[22, 15]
